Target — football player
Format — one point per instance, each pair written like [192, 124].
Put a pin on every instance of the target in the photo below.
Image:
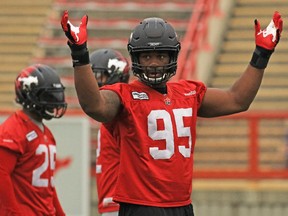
[28, 148]
[155, 119]
[109, 66]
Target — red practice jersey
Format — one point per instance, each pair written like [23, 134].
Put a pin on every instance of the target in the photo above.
[157, 137]
[32, 176]
[107, 165]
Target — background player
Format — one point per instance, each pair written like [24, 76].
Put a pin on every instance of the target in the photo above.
[109, 66]
[28, 148]
[156, 119]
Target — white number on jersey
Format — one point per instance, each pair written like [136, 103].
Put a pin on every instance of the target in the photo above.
[98, 166]
[49, 153]
[167, 133]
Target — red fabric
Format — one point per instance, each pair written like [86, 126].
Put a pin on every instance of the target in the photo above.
[57, 205]
[32, 173]
[107, 165]
[8, 202]
[157, 142]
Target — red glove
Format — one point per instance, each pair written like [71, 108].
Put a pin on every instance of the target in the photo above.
[269, 37]
[75, 35]
[266, 41]
[77, 39]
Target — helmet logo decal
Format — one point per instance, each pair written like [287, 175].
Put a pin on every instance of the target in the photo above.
[57, 85]
[154, 43]
[116, 65]
[28, 82]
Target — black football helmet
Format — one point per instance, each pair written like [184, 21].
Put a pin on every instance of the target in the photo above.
[154, 34]
[38, 89]
[109, 63]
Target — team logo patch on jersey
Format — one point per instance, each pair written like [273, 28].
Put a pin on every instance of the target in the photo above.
[167, 101]
[140, 96]
[31, 136]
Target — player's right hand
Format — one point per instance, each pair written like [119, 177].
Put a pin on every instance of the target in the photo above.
[77, 39]
[77, 35]
[269, 37]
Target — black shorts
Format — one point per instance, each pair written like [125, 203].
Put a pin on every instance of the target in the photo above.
[127, 209]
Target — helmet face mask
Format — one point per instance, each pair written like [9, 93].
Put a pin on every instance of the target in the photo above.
[154, 35]
[39, 90]
[154, 75]
[101, 75]
[109, 66]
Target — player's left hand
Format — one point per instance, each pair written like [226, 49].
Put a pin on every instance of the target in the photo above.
[77, 35]
[269, 37]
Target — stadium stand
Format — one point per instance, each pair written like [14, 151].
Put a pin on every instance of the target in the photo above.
[238, 44]
[224, 146]
[21, 23]
[235, 52]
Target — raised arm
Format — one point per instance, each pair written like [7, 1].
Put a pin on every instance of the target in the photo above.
[99, 105]
[239, 96]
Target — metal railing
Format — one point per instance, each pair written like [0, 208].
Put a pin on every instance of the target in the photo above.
[253, 170]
